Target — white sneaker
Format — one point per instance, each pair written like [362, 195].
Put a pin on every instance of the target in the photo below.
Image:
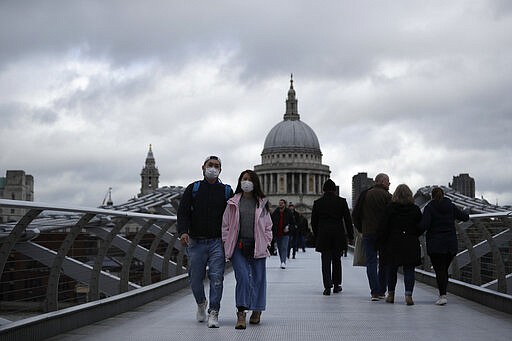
[201, 311]
[283, 265]
[213, 319]
[442, 300]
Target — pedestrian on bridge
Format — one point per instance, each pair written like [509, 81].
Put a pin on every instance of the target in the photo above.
[372, 209]
[439, 217]
[247, 234]
[332, 226]
[199, 222]
[398, 238]
[283, 221]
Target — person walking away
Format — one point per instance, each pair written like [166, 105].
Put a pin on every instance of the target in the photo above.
[246, 234]
[373, 208]
[199, 221]
[303, 231]
[294, 232]
[439, 217]
[330, 218]
[282, 218]
[397, 237]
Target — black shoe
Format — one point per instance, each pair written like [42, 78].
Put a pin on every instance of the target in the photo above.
[337, 288]
[327, 292]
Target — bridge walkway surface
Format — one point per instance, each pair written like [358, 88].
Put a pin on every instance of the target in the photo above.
[297, 310]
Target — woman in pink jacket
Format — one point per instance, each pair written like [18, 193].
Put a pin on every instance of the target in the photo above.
[246, 234]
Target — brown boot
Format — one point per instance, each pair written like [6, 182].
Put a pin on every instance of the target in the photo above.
[408, 300]
[391, 297]
[255, 317]
[240, 322]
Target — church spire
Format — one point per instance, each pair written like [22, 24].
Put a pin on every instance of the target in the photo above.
[291, 103]
[149, 175]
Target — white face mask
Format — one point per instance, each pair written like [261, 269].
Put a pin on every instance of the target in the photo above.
[211, 173]
[246, 185]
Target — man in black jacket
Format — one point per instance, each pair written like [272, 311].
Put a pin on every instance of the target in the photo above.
[332, 226]
[199, 227]
[282, 219]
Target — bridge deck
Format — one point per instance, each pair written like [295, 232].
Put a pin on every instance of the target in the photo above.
[297, 310]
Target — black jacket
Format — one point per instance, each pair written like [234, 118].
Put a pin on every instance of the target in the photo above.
[397, 236]
[330, 219]
[439, 221]
[201, 216]
[288, 219]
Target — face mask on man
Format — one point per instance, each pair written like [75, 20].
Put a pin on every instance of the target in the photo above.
[211, 173]
[246, 185]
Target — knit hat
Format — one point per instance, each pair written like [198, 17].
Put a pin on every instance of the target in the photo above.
[329, 186]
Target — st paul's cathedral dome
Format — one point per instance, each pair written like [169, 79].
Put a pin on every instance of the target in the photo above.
[291, 161]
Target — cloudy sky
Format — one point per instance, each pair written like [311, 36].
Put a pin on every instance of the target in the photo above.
[418, 89]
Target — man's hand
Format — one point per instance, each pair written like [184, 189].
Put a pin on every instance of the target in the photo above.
[184, 239]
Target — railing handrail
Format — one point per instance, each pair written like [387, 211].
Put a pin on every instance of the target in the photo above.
[80, 209]
[490, 215]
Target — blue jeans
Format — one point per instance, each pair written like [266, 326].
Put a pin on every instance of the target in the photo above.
[408, 278]
[282, 247]
[251, 281]
[375, 272]
[203, 253]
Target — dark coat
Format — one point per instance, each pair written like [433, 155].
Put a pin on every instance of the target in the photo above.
[201, 216]
[331, 223]
[374, 206]
[439, 222]
[398, 235]
[288, 219]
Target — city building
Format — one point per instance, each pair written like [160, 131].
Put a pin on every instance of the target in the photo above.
[464, 184]
[149, 176]
[291, 161]
[360, 182]
[16, 185]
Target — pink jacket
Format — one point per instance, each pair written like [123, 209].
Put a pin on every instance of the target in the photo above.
[231, 226]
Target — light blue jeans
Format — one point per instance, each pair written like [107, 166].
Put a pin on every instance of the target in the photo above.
[282, 247]
[204, 253]
[251, 281]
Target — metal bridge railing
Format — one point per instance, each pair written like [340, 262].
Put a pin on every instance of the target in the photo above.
[55, 257]
[485, 252]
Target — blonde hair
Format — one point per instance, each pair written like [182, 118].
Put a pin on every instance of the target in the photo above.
[403, 195]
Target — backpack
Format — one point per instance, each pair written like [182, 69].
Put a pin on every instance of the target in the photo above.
[357, 211]
[227, 189]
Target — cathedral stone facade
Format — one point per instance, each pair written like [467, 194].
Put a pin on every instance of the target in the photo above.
[291, 161]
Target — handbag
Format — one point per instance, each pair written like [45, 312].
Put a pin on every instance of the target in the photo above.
[246, 246]
[359, 254]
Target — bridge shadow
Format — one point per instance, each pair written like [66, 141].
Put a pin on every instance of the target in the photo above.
[297, 310]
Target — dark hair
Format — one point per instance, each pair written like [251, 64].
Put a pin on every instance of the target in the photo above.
[329, 186]
[437, 193]
[258, 193]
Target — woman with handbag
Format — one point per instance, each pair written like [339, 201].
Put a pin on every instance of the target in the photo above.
[247, 234]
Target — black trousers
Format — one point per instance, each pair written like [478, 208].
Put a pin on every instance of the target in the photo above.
[441, 262]
[331, 268]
